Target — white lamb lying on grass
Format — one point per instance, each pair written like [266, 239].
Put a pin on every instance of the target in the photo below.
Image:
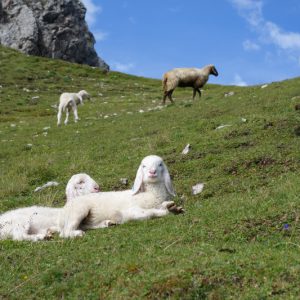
[149, 198]
[37, 222]
[68, 101]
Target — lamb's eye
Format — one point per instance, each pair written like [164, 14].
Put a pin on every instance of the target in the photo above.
[81, 182]
[160, 164]
[144, 166]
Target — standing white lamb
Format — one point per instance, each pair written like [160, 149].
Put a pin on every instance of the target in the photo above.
[150, 197]
[36, 222]
[186, 77]
[68, 101]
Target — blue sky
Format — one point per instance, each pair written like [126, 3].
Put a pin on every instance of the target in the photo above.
[249, 41]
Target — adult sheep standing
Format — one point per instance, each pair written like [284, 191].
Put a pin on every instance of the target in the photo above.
[184, 77]
[68, 101]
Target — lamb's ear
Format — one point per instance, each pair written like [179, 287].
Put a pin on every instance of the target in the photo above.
[70, 190]
[168, 182]
[138, 182]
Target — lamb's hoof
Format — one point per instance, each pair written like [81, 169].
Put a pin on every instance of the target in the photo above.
[176, 209]
[110, 223]
[49, 235]
[39, 237]
[168, 204]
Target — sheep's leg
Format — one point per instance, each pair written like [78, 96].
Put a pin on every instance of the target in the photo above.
[165, 97]
[196, 90]
[67, 116]
[199, 92]
[169, 95]
[194, 93]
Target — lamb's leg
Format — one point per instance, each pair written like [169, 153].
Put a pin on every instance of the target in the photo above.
[59, 116]
[20, 233]
[137, 213]
[103, 224]
[67, 116]
[75, 113]
[80, 99]
[71, 219]
[172, 207]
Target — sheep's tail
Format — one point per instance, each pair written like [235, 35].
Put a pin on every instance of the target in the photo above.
[164, 82]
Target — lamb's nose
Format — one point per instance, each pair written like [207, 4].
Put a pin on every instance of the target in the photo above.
[152, 172]
[96, 189]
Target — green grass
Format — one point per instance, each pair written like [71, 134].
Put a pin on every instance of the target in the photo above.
[232, 242]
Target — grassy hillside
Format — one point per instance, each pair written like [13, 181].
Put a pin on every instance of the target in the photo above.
[239, 238]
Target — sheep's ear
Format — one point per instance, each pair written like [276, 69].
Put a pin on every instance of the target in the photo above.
[168, 182]
[138, 182]
[70, 191]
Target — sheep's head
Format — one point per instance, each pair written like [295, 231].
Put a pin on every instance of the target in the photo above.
[152, 170]
[84, 94]
[81, 184]
[213, 70]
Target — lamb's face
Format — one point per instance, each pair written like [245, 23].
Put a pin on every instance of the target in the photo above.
[153, 169]
[81, 184]
[84, 94]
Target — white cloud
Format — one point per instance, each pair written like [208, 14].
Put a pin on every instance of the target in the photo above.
[268, 32]
[118, 66]
[284, 40]
[239, 81]
[100, 35]
[92, 10]
[251, 10]
[250, 46]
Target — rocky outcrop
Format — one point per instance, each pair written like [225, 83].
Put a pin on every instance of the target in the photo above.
[50, 28]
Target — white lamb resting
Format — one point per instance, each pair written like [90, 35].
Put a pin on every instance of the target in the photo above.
[37, 222]
[150, 197]
[68, 101]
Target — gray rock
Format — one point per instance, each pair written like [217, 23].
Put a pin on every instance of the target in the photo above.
[52, 28]
[124, 181]
[198, 188]
[229, 94]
